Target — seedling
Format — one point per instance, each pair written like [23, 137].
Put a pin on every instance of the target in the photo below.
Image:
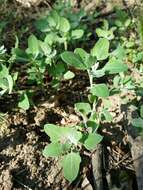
[58, 29]
[123, 82]
[7, 80]
[122, 21]
[105, 32]
[68, 142]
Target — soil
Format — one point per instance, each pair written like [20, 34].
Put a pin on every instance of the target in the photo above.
[22, 165]
[22, 139]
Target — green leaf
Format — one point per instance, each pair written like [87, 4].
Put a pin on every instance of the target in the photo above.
[71, 163]
[115, 66]
[10, 83]
[3, 86]
[76, 34]
[51, 38]
[42, 25]
[69, 75]
[87, 59]
[53, 20]
[119, 53]
[33, 45]
[2, 92]
[98, 73]
[82, 53]
[83, 108]
[64, 25]
[138, 57]
[101, 49]
[107, 115]
[4, 72]
[53, 131]
[66, 147]
[92, 124]
[141, 111]
[105, 33]
[45, 48]
[24, 102]
[92, 140]
[100, 90]
[57, 70]
[20, 54]
[73, 59]
[92, 98]
[53, 150]
[15, 76]
[63, 134]
[116, 81]
[90, 61]
[73, 136]
[137, 122]
[6, 80]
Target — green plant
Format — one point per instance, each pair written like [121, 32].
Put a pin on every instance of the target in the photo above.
[7, 80]
[70, 141]
[58, 29]
[123, 82]
[122, 21]
[105, 32]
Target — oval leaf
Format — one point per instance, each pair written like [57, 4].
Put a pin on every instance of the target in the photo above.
[53, 150]
[115, 66]
[73, 59]
[107, 115]
[69, 75]
[42, 25]
[137, 122]
[71, 164]
[53, 131]
[64, 25]
[76, 34]
[82, 53]
[100, 90]
[92, 140]
[24, 102]
[83, 108]
[33, 45]
[101, 49]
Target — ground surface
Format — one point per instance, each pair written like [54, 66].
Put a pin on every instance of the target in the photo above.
[22, 139]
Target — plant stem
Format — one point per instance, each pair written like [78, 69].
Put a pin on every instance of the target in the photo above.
[65, 45]
[90, 78]
[93, 107]
[39, 75]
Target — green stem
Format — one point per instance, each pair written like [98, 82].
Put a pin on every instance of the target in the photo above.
[90, 78]
[93, 107]
[39, 78]
[65, 45]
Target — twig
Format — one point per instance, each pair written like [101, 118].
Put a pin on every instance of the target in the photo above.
[97, 168]
[25, 186]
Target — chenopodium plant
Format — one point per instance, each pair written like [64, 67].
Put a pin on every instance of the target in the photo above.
[58, 29]
[7, 80]
[69, 142]
[105, 31]
[40, 57]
